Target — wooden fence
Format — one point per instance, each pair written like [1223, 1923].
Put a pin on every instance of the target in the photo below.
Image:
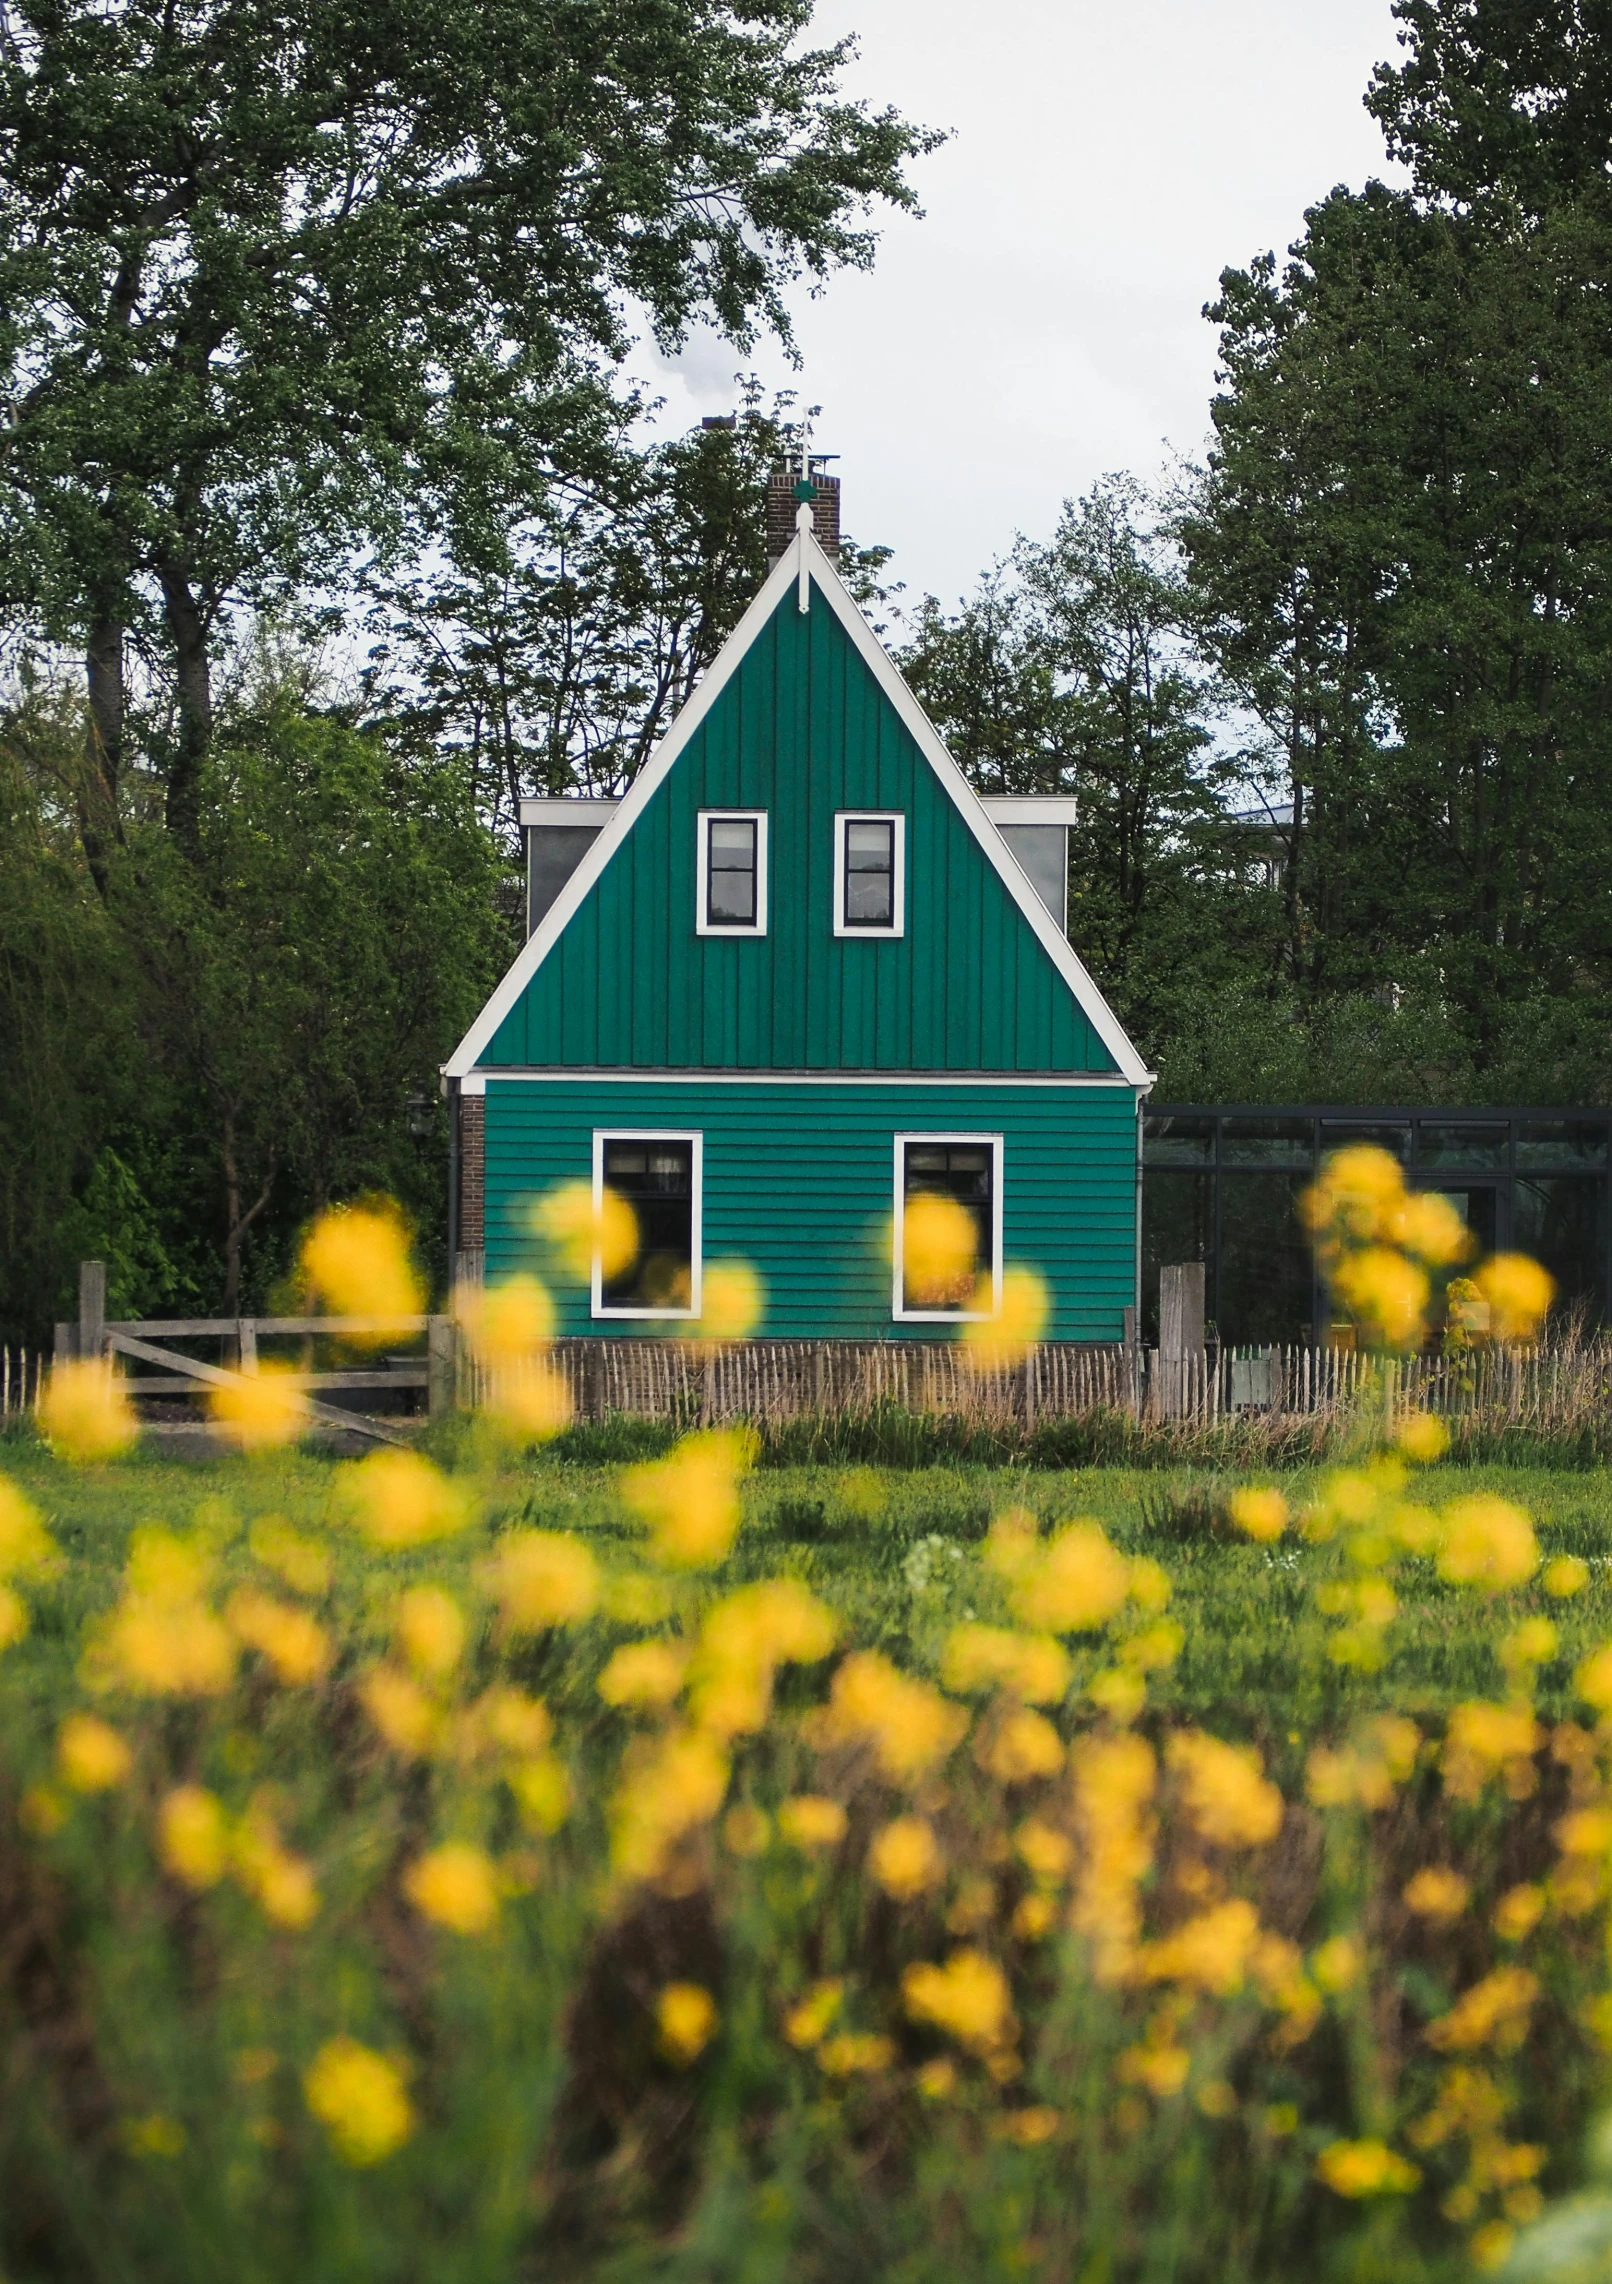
[22, 1379]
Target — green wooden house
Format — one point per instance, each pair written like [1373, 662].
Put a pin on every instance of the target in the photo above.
[795, 978]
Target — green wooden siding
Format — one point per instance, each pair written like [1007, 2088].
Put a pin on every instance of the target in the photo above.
[798, 1182]
[801, 730]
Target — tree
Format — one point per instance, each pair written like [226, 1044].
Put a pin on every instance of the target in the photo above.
[273, 275]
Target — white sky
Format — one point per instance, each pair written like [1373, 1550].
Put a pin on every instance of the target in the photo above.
[1041, 326]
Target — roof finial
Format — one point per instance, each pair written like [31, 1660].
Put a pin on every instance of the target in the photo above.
[805, 493]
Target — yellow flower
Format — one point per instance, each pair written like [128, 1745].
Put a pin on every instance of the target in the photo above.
[282, 1883]
[1483, 1739]
[580, 1229]
[91, 1755]
[13, 1618]
[542, 1792]
[1024, 1745]
[1226, 1792]
[193, 1836]
[1487, 1542]
[809, 1821]
[1033, 1666]
[1593, 1680]
[1161, 2068]
[356, 1260]
[1150, 1587]
[937, 2080]
[1001, 1339]
[1114, 1779]
[1519, 1912]
[967, 1997]
[542, 1579]
[1028, 2128]
[1154, 1647]
[939, 1246]
[905, 1857]
[1360, 1193]
[1386, 1294]
[644, 1673]
[84, 1413]
[398, 1499]
[400, 1709]
[1260, 1511]
[1528, 1645]
[1492, 2013]
[1365, 2169]
[686, 2017]
[1518, 1292]
[1429, 1226]
[301, 1562]
[690, 1499]
[854, 2051]
[430, 1629]
[1012, 1545]
[456, 1886]
[530, 1400]
[1212, 1952]
[746, 1829]
[1565, 1577]
[360, 2099]
[293, 1643]
[162, 1640]
[1338, 1964]
[259, 1412]
[733, 1301]
[1078, 1584]
[811, 2018]
[674, 1786]
[25, 1544]
[910, 1725]
[1437, 1893]
[1046, 1852]
[506, 1323]
[1422, 1437]
[510, 1721]
[1368, 1772]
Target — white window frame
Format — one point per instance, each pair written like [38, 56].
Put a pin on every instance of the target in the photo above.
[612, 1312]
[702, 902]
[898, 1310]
[898, 886]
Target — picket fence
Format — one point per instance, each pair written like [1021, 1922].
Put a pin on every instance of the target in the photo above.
[22, 1379]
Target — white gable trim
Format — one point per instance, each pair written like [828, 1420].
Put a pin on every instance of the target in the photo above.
[805, 559]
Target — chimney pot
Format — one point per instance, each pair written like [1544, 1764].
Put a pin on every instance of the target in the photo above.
[783, 504]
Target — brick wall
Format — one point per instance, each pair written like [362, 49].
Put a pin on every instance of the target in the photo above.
[472, 1173]
[782, 507]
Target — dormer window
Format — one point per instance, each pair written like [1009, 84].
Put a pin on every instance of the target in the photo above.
[731, 898]
[870, 889]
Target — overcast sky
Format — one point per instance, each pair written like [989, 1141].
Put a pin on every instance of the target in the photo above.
[1042, 324]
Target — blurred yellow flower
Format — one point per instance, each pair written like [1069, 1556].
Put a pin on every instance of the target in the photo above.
[1437, 1893]
[579, 1229]
[1493, 2013]
[968, 1998]
[530, 1400]
[1022, 1746]
[1386, 1294]
[690, 1499]
[1422, 1437]
[25, 1544]
[1566, 1576]
[1225, 1791]
[193, 1836]
[685, 2016]
[1337, 1964]
[746, 1829]
[1114, 1779]
[398, 1499]
[667, 1790]
[1079, 1582]
[1045, 1852]
[259, 1411]
[644, 1673]
[508, 1322]
[1430, 1226]
[400, 1710]
[1360, 1193]
[456, 1885]
[509, 1720]
[84, 1413]
[542, 1792]
[733, 1301]
[1483, 1740]
[1518, 1292]
[542, 1579]
[429, 1628]
[356, 1260]
[1519, 1912]
[1028, 2128]
[1154, 1647]
[292, 1642]
[1593, 1680]
[908, 1723]
[91, 1755]
[360, 2098]
[811, 2018]
[1365, 2169]
[1367, 1772]
[1487, 1542]
[1007, 1329]
[1033, 1666]
[808, 1820]
[939, 1246]
[1532, 1643]
[1161, 2068]
[937, 2079]
[162, 1644]
[1012, 1544]
[13, 1618]
[854, 2051]
[1259, 1511]
[300, 1562]
[283, 1883]
[1212, 1952]
[905, 1857]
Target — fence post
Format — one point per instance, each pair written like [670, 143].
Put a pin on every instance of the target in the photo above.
[441, 1378]
[91, 1307]
[1181, 1298]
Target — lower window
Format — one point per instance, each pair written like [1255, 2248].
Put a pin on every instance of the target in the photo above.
[659, 1176]
[948, 1225]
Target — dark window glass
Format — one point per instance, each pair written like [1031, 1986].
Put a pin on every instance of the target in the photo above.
[657, 1180]
[1338, 1135]
[1561, 1220]
[959, 1170]
[1178, 1223]
[870, 872]
[1472, 1146]
[1266, 1285]
[1267, 1141]
[1563, 1142]
[1178, 1141]
[730, 873]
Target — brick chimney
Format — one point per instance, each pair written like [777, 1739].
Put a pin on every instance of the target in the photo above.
[782, 507]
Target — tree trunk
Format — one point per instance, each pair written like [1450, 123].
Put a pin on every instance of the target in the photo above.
[99, 821]
[238, 1223]
[187, 630]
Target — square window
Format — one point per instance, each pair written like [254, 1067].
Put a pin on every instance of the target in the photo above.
[948, 1222]
[732, 886]
[869, 874]
[660, 1177]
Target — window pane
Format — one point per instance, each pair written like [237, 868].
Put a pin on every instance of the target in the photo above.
[1267, 1141]
[1561, 1221]
[1266, 1288]
[1563, 1142]
[657, 1180]
[732, 897]
[1474, 1145]
[869, 844]
[733, 841]
[869, 873]
[1178, 1219]
[932, 1276]
[869, 902]
[1337, 1134]
[731, 872]
[1170, 1141]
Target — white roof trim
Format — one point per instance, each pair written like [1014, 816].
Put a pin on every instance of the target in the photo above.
[804, 558]
[571, 809]
[1030, 808]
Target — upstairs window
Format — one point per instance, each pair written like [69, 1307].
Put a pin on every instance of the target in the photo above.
[732, 888]
[870, 849]
[659, 1175]
[948, 1221]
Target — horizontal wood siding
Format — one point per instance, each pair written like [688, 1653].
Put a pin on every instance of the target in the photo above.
[801, 731]
[798, 1182]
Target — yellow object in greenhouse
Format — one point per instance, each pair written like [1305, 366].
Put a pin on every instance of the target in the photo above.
[1430, 1227]
[1518, 1293]
[1386, 1294]
[582, 1230]
[360, 2098]
[84, 1413]
[356, 1260]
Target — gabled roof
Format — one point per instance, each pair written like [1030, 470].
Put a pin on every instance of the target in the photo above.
[805, 561]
